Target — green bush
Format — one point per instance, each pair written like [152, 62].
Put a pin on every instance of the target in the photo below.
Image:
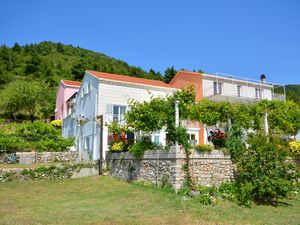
[203, 148]
[36, 131]
[227, 191]
[138, 149]
[10, 144]
[265, 175]
[54, 145]
[38, 136]
[235, 143]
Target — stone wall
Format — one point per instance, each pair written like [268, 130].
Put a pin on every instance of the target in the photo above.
[47, 157]
[43, 157]
[167, 166]
[59, 171]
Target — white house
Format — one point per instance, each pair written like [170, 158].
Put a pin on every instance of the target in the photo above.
[108, 95]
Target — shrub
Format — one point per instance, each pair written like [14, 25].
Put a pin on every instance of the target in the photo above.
[235, 143]
[116, 146]
[56, 123]
[264, 173]
[227, 191]
[203, 148]
[182, 137]
[294, 147]
[138, 149]
[54, 145]
[218, 138]
[10, 144]
[37, 131]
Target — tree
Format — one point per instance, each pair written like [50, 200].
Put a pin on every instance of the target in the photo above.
[170, 72]
[160, 112]
[17, 48]
[79, 69]
[23, 96]
[148, 116]
[265, 175]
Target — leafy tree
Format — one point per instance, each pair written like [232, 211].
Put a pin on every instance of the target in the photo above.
[264, 174]
[170, 72]
[79, 69]
[148, 116]
[206, 112]
[160, 112]
[17, 48]
[23, 95]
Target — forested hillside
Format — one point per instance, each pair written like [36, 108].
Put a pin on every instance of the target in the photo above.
[51, 62]
[293, 92]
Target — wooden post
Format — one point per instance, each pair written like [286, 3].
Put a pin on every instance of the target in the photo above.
[101, 145]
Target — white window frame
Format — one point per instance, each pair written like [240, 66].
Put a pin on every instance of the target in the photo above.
[218, 88]
[120, 118]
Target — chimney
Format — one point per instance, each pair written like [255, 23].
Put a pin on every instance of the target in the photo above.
[263, 78]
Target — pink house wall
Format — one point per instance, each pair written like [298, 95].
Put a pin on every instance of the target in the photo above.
[64, 93]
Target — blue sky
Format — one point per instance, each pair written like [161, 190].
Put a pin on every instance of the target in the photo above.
[243, 38]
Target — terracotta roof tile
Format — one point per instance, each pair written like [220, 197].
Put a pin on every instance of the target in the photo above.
[71, 83]
[129, 79]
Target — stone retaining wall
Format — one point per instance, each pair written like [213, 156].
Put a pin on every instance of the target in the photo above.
[43, 157]
[160, 166]
[59, 171]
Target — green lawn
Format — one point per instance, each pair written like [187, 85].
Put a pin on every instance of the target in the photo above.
[104, 200]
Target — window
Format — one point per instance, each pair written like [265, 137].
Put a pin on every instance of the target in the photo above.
[156, 139]
[87, 143]
[118, 113]
[86, 88]
[218, 88]
[192, 139]
[257, 93]
[239, 88]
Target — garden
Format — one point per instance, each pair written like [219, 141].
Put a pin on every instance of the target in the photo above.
[262, 152]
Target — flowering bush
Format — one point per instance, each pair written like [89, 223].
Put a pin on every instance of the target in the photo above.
[218, 138]
[294, 147]
[116, 146]
[56, 123]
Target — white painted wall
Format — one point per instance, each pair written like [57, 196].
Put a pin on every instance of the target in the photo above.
[86, 105]
[230, 88]
[117, 93]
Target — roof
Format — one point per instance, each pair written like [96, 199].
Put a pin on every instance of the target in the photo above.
[71, 83]
[128, 79]
[187, 75]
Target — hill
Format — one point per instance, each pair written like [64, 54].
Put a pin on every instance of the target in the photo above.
[52, 62]
[293, 92]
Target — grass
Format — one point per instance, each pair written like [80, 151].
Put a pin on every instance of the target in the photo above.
[105, 200]
[7, 166]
